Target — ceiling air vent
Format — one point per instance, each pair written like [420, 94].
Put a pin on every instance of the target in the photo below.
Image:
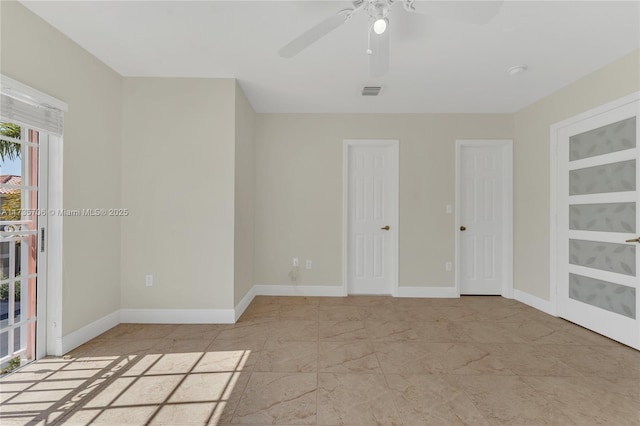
[371, 90]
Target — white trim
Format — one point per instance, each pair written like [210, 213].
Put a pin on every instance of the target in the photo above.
[42, 266]
[605, 237]
[298, 290]
[394, 144]
[88, 332]
[177, 316]
[507, 284]
[599, 274]
[345, 218]
[435, 292]
[244, 303]
[54, 244]
[553, 221]
[22, 92]
[599, 160]
[633, 97]
[610, 197]
[507, 210]
[553, 182]
[538, 303]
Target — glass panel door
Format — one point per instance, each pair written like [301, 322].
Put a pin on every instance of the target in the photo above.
[597, 197]
[19, 216]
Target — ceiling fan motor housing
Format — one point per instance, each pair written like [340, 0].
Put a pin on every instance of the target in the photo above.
[379, 9]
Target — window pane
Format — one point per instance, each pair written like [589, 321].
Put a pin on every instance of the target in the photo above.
[610, 138]
[5, 249]
[4, 305]
[602, 294]
[17, 333]
[619, 258]
[614, 177]
[4, 344]
[18, 302]
[10, 152]
[613, 217]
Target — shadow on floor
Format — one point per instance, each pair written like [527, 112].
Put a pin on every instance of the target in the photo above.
[121, 379]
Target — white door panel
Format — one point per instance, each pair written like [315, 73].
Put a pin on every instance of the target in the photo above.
[597, 223]
[481, 238]
[372, 206]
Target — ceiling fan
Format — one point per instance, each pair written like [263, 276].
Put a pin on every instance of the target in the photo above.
[378, 34]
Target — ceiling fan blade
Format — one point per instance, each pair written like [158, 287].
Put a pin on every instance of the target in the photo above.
[409, 24]
[472, 12]
[315, 33]
[379, 57]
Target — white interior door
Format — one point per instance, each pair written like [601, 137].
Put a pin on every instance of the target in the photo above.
[597, 223]
[372, 216]
[484, 222]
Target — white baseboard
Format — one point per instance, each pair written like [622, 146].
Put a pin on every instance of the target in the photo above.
[299, 290]
[535, 302]
[230, 316]
[244, 303]
[177, 316]
[88, 332]
[448, 292]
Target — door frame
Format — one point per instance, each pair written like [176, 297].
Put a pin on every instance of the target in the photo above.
[52, 297]
[394, 144]
[507, 210]
[49, 295]
[554, 139]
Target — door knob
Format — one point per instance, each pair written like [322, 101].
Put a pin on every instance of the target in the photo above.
[385, 228]
[635, 240]
[463, 228]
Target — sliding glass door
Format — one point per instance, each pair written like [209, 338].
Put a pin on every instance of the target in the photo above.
[21, 214]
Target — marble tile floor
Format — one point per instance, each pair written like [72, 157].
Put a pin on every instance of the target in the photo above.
[359, 360]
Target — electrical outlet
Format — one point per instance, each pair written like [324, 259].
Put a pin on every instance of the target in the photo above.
[448, 266]
[148, 280]
[449, 209]
[296, 262]
[309, 264]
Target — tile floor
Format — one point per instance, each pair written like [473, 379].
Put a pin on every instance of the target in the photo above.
[339, 361]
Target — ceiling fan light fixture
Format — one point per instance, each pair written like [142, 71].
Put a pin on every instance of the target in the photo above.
[380, 25]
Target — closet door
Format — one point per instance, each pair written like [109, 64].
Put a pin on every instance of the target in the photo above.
[598, 225]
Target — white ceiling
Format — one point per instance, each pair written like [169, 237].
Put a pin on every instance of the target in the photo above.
[437, 65]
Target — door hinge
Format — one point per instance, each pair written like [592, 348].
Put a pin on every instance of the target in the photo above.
[42, 240]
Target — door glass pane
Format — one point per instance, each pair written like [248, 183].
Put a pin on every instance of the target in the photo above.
[5, 247]
[4, 305]
[619, 258]
[603, 140]
[614, 177]
[4, 344]
[17, 342]
[602, 294]
[17, 302]
[10, 153]
[18, 236]
[612, 217]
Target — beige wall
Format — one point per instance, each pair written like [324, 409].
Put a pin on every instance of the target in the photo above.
[36, 54]
[531, 163]
[179, 154]
[178, 182]
[245, 192]
[299, 190]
